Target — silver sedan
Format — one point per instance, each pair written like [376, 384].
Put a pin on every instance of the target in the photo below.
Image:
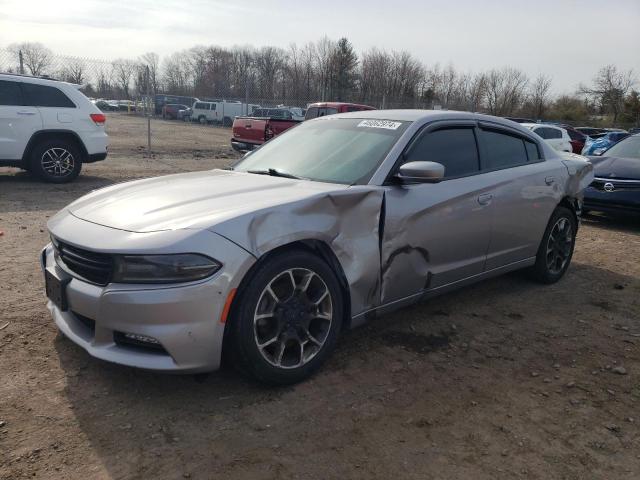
[336, 221]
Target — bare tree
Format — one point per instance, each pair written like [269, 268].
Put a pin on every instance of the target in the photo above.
[152, 60]
[539, 95]
[610, 86]
[176, 74]
[73, 71]
[36, 57]
[123, 71]
[505, 90]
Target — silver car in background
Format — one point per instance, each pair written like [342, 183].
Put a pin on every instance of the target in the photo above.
[336, 221]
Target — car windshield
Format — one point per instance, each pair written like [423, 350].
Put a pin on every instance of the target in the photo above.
[629, 148]
[335, 150]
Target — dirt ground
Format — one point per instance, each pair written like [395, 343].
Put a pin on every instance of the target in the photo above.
[504, 379]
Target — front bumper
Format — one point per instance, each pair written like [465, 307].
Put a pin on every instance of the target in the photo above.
[185, 319]
[620, 201]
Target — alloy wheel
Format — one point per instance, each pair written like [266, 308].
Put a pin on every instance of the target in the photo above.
[57, 162]
[293, 318]
[559, 245]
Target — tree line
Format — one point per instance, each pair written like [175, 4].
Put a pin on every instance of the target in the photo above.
[333, 71]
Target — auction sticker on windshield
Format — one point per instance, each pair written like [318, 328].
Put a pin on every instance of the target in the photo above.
[380, 124]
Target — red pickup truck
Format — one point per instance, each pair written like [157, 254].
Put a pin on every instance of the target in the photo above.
[266, 123]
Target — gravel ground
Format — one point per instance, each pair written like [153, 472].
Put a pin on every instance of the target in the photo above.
[504, 379]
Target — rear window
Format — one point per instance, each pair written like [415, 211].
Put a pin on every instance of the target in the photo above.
[45, 96]
[10, 93]
[315, 112]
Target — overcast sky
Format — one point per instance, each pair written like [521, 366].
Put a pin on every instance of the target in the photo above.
[566, 39]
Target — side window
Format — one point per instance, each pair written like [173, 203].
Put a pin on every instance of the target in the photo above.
[10, 93]
[532, 151]
[554, 133]
[45, 96]
[197, 106]
[212, 106]
[503, 150]
[543, 132]
[455, 148]
[351, 108]
[311, 113]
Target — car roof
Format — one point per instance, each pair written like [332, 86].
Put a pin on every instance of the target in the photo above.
[16, 77]
[414, 115]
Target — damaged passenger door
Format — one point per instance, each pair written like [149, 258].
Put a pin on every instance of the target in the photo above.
[435, 234]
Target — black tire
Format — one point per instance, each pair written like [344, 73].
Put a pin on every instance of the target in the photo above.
[202, 119]
[245, 329]
[554, 254]
[227, 122]
[56, 161]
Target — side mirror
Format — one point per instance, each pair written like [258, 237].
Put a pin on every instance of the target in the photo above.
[421, 172]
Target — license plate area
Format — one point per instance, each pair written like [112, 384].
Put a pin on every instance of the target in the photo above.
[56, 290]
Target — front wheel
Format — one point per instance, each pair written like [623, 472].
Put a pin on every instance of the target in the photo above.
[287, 318]
[556, 249]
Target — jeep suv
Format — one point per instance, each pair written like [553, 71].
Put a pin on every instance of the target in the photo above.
[48, 127]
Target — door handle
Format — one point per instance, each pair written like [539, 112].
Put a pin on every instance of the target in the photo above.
[485, 199]
[22, 112]
[550, 180]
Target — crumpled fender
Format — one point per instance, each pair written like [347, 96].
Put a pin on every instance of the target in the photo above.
[347, 220]
[581, 175]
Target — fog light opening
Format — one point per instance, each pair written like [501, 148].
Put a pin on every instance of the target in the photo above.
[141, 338]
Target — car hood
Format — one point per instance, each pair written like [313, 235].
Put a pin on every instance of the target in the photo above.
[190, 200]
[616, 167]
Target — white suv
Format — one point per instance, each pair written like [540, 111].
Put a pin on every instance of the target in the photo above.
[557, 137]
[48, 127]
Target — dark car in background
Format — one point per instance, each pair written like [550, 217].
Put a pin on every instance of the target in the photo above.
[616, 186]
[162, 99]
[592, 132]
[322, 109]
[578, 139]
[171, 111]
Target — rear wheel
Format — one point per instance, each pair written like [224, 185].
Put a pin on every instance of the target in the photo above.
[202, 119]
[227, 122]
[556, 249]
[56, 161]
[286, 320]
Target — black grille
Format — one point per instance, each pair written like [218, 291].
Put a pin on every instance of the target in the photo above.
[618, 184]
[91, 266]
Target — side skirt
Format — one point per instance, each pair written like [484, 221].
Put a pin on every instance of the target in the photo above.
[367, 315]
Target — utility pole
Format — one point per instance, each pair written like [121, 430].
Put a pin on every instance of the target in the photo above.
[21, 62]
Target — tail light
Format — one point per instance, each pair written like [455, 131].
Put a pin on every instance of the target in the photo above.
[98, 118]
[268, 132]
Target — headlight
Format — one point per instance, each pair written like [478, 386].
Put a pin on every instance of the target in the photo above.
[173, 268]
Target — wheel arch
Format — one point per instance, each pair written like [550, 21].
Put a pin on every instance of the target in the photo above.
[316, 247]
[572, 204]
[44, 135]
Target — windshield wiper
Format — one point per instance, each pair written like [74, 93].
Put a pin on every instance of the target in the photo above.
[275, 173]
